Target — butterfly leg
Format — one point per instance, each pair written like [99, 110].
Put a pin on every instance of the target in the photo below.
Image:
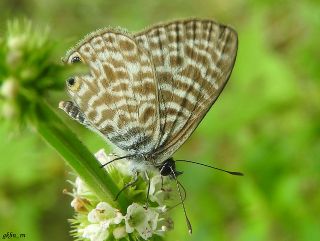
[162, 184]
[148, 191]
[74, 112]
[134, 180]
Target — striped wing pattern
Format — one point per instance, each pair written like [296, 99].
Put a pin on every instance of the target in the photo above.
[147, 93]
[119, 95]
[193, 60]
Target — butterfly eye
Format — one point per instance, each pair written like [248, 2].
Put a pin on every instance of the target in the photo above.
[75, 59]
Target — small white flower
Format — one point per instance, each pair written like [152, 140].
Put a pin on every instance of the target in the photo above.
[95, 232]
[81, 188]
[101, 218]
[80, 194]
[143, 220]
[155, 188]
[164, 196]
[122, 165]
[119, 232]
[105, 213]
[162, 209]
[102, 157]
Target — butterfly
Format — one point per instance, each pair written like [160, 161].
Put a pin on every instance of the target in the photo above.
[147, 92]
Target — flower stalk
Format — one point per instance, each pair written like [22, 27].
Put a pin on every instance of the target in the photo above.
[61, 138]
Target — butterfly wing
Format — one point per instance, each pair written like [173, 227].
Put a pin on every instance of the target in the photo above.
[193, 60]
[119, 97]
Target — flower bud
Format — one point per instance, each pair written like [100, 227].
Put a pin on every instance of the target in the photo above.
[9, 110]
[14, 58]
[95, 232]
[79, 204]
[16, 42]
[9, 88]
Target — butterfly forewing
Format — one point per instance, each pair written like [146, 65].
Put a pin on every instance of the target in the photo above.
[193, 60]
[119, 97]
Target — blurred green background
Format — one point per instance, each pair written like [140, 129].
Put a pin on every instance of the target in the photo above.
[266, 124]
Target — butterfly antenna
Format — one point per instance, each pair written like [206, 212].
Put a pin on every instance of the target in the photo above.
[219, 169]
[116, 159]
[182, 201]
[184, 198]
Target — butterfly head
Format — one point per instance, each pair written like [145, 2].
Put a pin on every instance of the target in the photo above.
[168, 168]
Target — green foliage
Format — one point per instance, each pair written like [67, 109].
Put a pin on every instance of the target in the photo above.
[265, 124]
[27, 70]
[31, 76]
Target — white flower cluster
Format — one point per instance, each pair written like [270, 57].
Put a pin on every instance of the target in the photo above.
[105, 219]
[99, 221]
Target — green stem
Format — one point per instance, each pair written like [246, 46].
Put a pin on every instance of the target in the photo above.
[65, 142]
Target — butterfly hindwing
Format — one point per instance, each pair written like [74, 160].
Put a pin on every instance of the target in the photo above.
[193, 60]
